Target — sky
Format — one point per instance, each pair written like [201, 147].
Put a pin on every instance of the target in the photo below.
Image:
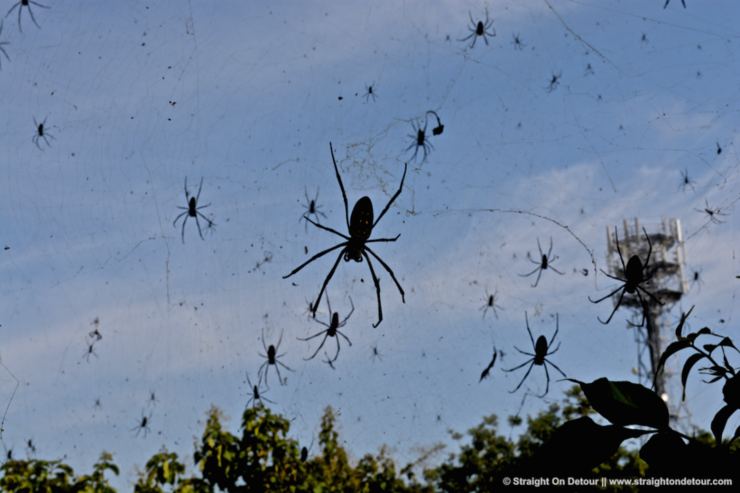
[599, 114]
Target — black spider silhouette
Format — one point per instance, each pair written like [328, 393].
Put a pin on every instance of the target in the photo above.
[669, 1]
[541, 350]
[192, 210]
[545, 263]
[634, 274]
[272, 359]
[312, 208]
[518, 45]
[644, 39]
[695, 279]
[686, 182]
[491, 303]
[144, 425]
[152, 398]
[31, 447]
[98, 405]
[719, 149]
[376, 354]
[1, 45]
[257, 394]
[355, 247]
[332, 329]
[588, 70]
[712, 213]
[439, 128]
[554, 82]
[369, 92]
[480, 29]
[41, 133]
[89, 353]
[420, 140]
[25, 3]
[490, 365]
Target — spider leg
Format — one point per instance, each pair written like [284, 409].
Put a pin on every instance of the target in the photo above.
[339, 178]
[320, 346]
[343, 322]
[283, 364]
[277, 369]
[523, 364]
[318, 255]
[526, 320]
[649, 294]
[553, 268]
[523, 352]
[259, 373]
[615, 308]
[183, 229]
[651, 248]
[538, 279]
[558, 369]
[525, 377]
[376, 281]
[403, 298]
[484, 38]
[556, 349]
[199, 231]
[400, 189]
[615, 278]
[527, 275]
[547, 386]
[326, 281]
[557, 328]
[30, 12]
[197, 197]
[315, 335]
[347, 338]
[325, 228]
[605, 297]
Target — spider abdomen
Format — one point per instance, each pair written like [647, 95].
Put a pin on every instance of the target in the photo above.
[634, 274]
[540, 350]
[361, 220]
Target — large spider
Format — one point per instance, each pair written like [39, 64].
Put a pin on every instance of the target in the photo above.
[40, 133]
[3, 43]
[360, 228]
[420, 140]
[517, 42]
[312, 208]
[25, 3]
[369, 93]
[192, 210]
[712, 213]
[491, 303]
[635, 277]
[541, 350]
[256, 395]
[272, 359]
[686, 182]
[480, 29]
[144, 425]
[546, 262]
[332, 329]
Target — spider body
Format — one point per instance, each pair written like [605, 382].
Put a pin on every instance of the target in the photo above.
[420, 141]
[312, 208]
[634, 277]
[712, 213]
[272, 359]
[554, 82]
[331, 331]
[491, 303]
[696, 280]
[192, 210]
[369, 93]
[479, 29]
[488, 368]
[257, 395]
[517, 42]
[41, 134]
[25, 3]
[144, 425]
[546, 262]
[686, 182]
[355, 247]
[541, 351]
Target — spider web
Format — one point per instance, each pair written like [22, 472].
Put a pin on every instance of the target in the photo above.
[248, 97]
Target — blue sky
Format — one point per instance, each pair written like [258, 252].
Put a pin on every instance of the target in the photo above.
[248, 96]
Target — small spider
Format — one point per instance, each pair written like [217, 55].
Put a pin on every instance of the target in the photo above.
[669, 1]
[257, 395]
[309, 310]
[192, 210]
[25, 3]
[272, 359]
[41, 134]
[719, 149]
[541, 350]
[712, 213]
[589, 70]
[369, 92]
[152, 398]
[488, 368]
[545, 263]
[554, 82]
[644, 39]
[311, 208]
[332, 329]
[419, 140]
[695, 279]
[144, 425]
[31, 447]
[1, 45]
[518, 45]
[491, 303]
[98, 405]
[439, 128]
[480, 29]
[9, 454]
[376, 354]
[355, 247]
[89, 353]
[634, 274]
[686, 182]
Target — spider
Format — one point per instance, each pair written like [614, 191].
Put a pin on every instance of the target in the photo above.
[305, 451]
[309, 310]
[25, 3]
[31, 447]
[635, 277]
[491, 303]
[360, 229]
[152, 398]
[376, 354]
[588, 70]
[669, 1]
[89, 352]
[192, 210]
[41, 134]
[488, 368]
[98, 405]
[546, 262]
[144, 425]
[419, 140]
[3, 43]
[719, 149]
[541, 350]
[518, 45]
[369, 93]
[332, 329]
[312, 208]
[439, 128]
[480, 29]
[696, 280]
[686, 182]
[644, 39]
[712, 213]
[272, 359]
[554, 82]
[256, 395]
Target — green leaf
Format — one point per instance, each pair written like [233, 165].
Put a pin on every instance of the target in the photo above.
[686, 369]
[626, 403]
[720, 420]
[672, 349]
